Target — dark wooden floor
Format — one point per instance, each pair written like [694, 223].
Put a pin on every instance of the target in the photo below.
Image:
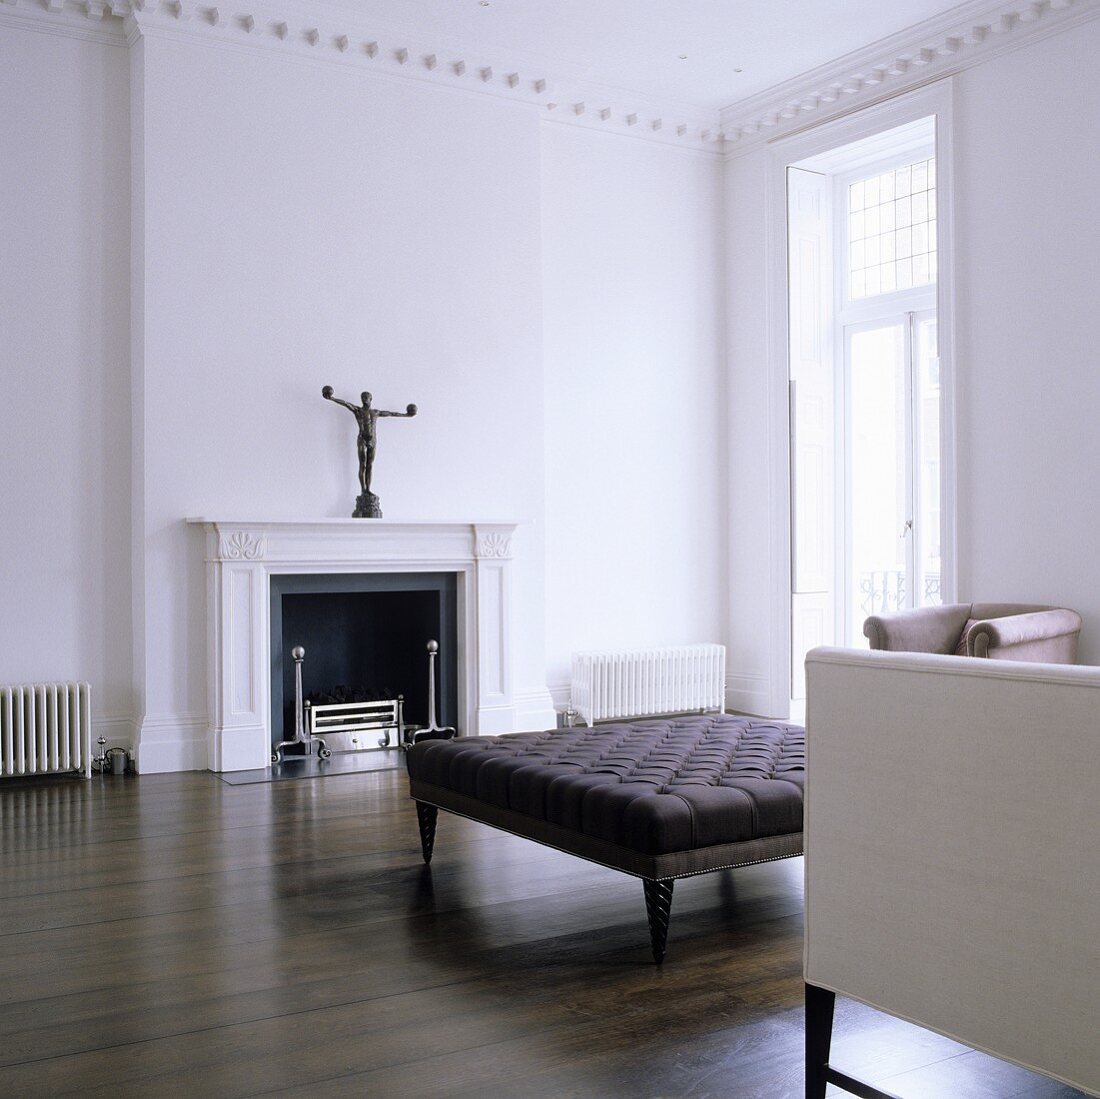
[173, 935]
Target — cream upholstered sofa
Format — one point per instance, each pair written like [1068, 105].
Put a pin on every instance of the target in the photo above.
[1001, 631]
[952, 840]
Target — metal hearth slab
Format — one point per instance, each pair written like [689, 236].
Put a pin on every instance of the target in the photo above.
[342, 763]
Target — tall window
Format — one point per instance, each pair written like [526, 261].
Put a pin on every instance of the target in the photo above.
[865, 402]
[891, 392]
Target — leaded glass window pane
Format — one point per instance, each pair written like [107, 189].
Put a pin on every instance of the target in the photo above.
[892, 231]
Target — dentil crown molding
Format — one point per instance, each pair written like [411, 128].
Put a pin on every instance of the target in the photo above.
[91, 21]
[299, 31]
[968, 35]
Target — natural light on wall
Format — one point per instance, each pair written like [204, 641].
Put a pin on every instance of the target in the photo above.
[892, 231]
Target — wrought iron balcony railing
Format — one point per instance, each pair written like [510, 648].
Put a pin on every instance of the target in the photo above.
[885, 590]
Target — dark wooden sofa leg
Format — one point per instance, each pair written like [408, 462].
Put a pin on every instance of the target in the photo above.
[819, 1036]
[658, 905]
[426, 816]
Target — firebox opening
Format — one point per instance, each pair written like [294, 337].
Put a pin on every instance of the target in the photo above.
[364, 634]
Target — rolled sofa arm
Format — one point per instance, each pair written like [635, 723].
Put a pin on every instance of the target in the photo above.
[925, 630]
[1049, 637]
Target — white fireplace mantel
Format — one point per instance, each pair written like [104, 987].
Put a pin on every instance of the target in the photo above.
[241, 557]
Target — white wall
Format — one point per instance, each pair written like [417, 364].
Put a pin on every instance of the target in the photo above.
[552, 299]
[752, 507]
[205, 236]
[64, 368]
[304, 225]
[1027, 264]
[1028, 225]
[635, 442]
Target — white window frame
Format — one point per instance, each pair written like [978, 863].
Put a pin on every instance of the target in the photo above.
[908, 319]
[847, 310]
[864, 313]
[935, 100]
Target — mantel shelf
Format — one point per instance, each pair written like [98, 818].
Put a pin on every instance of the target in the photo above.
[365, 524]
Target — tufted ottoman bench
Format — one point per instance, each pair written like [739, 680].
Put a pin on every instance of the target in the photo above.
[658, 799]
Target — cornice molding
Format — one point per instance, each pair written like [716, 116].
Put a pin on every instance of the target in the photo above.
[967, 35]
[296, 31]
[89, 23]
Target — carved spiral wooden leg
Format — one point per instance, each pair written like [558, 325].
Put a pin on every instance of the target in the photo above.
[426, 817]
[658, 905]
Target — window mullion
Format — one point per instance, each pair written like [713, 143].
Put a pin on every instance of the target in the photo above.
[912, 450]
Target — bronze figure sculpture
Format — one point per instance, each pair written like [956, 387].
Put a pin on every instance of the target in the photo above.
[367, 504]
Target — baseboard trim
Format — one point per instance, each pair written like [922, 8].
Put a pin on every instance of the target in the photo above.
[749, 694]
[535, 710]
[171, 742]
[116, 729]
[559, 694]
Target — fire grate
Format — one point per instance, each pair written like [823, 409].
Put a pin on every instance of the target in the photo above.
[350, 726]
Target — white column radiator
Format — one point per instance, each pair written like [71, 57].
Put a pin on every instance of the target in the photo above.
[45, 728]
[640, 682]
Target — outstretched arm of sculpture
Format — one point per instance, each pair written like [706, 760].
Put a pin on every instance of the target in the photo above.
[327, 394]
[410, 410]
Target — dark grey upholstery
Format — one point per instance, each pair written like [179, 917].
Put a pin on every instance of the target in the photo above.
[650, 787]
[659, 799]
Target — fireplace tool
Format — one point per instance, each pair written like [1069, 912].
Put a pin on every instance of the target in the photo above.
[433, 731]
[301, 736]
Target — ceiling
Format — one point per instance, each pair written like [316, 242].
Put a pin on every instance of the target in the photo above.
[734, 48]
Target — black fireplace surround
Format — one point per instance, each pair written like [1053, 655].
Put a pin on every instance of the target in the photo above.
[364, 630]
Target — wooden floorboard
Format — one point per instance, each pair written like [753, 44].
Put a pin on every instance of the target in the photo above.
[171, 935]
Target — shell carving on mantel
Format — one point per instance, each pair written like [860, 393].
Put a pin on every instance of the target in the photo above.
[242, 546]
[494, 544]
